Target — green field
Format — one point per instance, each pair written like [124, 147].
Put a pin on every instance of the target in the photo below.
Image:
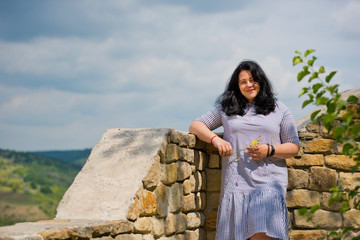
[32, 185]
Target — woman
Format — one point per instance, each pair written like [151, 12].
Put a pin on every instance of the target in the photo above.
[254, 176]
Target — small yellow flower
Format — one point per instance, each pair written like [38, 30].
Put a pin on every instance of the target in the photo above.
[254, 143]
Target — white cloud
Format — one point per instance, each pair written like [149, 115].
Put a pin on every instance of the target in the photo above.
[130, 64]
[348, 18]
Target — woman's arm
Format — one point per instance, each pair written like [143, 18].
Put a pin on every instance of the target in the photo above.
[285, 150]
[205, 134]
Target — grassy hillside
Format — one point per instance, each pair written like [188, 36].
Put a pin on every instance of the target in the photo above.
[77, 157]
[31, 185]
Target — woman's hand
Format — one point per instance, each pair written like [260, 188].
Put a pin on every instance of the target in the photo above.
[258, 152]
[224, 147]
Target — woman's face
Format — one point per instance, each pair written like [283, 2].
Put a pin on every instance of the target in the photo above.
[247, 85]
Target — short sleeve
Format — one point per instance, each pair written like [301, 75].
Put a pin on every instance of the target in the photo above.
[288, 129]
[211, 119]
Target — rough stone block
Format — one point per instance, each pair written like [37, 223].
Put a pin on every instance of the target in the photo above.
[119, 227]
[200, 160]
[169, 173]
[321, 219]
[198, 234]
[129, 237]
[313, 127]
[324, 202]
[187, 186]
[172, 153]
[349, 181]
[196, 181]
[324, 146]
[147, 203]
[322, 179]
[340, 162]
[162, 206]
[134, 210]
[182, 139]
[306, 160]
[175, 197]
[297, 178]
[175, 224]
[178, 237]
[154, 175]
[213, 180]
[148, 237]
[305, 135]
[58, 234]
[214, 161]
[308, 235]
[189, 203]
[302, 198]
[195, 220]
[200, 201]
[170, 224]
[352, 218]
[143, 225]
[187, 155]
[183, 170]
[158, 227]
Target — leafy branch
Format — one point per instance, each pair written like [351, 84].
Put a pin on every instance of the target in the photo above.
[340, 117]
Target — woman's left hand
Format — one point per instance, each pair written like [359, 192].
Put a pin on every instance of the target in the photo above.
[258, 152]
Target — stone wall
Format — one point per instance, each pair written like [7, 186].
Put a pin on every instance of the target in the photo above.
[145, 184]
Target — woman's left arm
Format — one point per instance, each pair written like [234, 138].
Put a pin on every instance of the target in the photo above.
[286, 150]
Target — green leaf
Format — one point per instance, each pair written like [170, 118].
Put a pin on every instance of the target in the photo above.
[302, 211]
[321, 69]
[352, 99]
[330, 76]
[346, 229]
[307, 102]
[333, 89]
[311, 61]
[339, 131]
[355, 129]
[346, 148]
[302, 74]
[297, 60]
[314, 208]
[331, 107]
[303, 91]
[341, 104]
[307, 52]
[314, 114]
[313, 76]
[298, 52]
[321, 101]
[333, 233]
[316, 87]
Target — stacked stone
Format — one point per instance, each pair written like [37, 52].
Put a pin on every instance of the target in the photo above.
[172, 202]
[179, 196]
[320, 166]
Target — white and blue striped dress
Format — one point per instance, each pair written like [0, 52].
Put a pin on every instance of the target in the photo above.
[253, 192]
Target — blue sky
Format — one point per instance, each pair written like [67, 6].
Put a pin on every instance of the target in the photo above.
[69, 70]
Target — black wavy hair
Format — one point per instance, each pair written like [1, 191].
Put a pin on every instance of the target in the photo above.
[234, 103]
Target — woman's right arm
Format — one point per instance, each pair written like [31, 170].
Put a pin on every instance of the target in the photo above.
[205, 134]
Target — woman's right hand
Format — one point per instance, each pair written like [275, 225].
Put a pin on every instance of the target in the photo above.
[224, 147]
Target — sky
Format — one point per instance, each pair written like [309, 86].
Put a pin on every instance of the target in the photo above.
[69, 69]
